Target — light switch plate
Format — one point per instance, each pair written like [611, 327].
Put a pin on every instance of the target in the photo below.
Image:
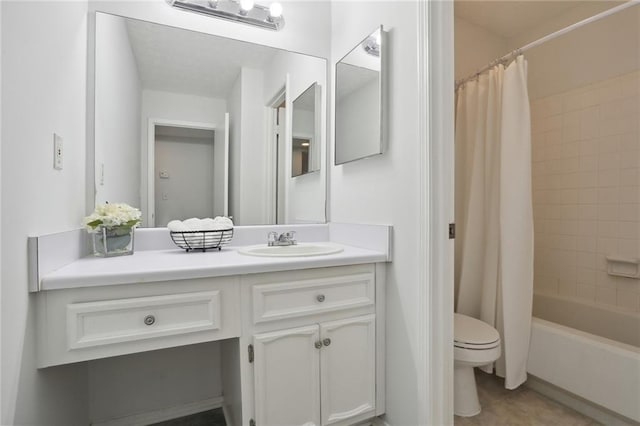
[57, 152]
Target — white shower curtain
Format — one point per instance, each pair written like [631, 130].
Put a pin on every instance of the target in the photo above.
[494, 210]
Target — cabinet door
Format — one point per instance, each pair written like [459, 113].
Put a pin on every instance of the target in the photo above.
[347, 368]
[287, 377]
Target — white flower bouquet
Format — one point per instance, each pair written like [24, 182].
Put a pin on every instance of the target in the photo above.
[112, 229]
[117, 215]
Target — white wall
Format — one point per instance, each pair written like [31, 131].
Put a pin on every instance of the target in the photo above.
[306, 194]
[235, 129]
[44, 57]
[188, 191]
[253, 150]
[118, 95]
[137, 383]
[475, 47]
[178, 107]
[247, 149]
[383, 189]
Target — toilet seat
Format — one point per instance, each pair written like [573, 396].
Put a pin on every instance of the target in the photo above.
[470, 333]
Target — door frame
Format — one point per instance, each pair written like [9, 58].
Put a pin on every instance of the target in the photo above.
[436, 210]
[148, 179]
[272, 170]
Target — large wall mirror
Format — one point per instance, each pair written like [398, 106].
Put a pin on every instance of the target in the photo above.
[189, 124]
[359, 91]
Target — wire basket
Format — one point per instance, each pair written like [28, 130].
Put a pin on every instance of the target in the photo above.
[202, 240]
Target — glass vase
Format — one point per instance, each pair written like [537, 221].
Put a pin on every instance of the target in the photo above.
[113, 241]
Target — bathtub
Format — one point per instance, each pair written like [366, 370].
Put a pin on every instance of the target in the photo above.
[572, 347]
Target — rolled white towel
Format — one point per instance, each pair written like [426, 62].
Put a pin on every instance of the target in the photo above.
[208, 224]
[177, 226]
[224, 221]
[193, 224]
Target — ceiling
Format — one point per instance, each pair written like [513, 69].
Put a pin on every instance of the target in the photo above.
[511, 18]
[183, 61]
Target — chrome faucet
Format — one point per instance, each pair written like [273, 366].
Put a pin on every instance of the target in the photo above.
[284, 239]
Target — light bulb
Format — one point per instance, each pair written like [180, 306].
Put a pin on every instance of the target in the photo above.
[246, 5]
[275, 10]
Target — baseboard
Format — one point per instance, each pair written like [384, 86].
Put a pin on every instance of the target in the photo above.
[577, 403]
[142, 419]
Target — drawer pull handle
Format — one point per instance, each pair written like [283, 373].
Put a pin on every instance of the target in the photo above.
[320, 298]
[318, 344]
[326, 342]
[149, 320]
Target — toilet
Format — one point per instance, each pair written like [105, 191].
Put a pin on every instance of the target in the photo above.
[476, 343]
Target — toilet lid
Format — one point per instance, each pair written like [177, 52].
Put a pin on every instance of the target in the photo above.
[470, 332]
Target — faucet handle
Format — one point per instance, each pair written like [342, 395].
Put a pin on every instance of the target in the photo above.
[291, 236]
[272, 237]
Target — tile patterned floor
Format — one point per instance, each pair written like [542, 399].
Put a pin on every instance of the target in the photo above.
[520, 407]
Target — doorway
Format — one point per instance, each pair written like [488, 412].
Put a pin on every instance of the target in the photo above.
[187, 171]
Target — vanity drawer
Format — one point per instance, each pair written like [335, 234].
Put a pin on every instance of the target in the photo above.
[124, 320]
[306, 297]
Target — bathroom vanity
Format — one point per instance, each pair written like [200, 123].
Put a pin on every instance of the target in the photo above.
[302, 339]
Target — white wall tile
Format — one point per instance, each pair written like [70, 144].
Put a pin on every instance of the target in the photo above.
[629, 194]
[607, 244]
[628, 300]
[589, 147]
[586, 292]
[608, 196]
[606, 296]
[629, 177]
[588, 196]
[589, 123]
[608, 178]
[608, 212]
[586, 176]
[587, 212]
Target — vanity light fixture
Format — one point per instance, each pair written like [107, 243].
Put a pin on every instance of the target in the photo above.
[244, 11]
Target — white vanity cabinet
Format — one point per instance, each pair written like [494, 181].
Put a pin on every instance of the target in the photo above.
[316, 349]
[298, 347]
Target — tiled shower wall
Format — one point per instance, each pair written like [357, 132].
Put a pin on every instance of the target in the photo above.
[586, 190]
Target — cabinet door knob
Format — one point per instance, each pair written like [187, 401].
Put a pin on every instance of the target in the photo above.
[149, 320]
[318, 344]
[326, 342]
[320, 298]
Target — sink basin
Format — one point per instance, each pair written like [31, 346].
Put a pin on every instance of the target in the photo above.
[297, 250]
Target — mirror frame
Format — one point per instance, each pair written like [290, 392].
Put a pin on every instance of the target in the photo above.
[382, 96]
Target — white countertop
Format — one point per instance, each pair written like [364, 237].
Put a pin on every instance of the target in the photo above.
[176, 264]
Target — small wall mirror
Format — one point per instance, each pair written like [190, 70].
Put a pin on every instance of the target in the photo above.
[305, 150]
[359, 90]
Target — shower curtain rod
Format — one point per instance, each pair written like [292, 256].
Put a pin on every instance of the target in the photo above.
[514, 53]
